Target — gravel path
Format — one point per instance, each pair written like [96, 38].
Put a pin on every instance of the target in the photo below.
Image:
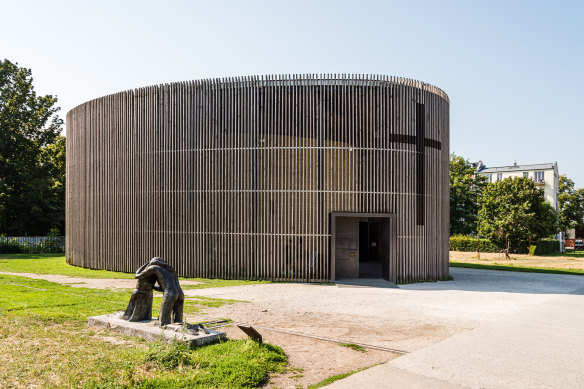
[80, 282]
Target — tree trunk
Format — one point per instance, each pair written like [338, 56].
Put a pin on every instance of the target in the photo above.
[479, 247]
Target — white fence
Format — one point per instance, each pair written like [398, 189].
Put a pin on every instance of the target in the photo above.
[32, 244]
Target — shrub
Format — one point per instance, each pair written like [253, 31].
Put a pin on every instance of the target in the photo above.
[52, 243]
[542, 247]
[9, 246]
[547, 246]
[470, 243]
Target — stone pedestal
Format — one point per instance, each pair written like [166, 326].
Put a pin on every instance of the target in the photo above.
[150, 330]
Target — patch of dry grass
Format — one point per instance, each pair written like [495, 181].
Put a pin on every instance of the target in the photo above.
[45, 343]
[568, 262]
[33, 353]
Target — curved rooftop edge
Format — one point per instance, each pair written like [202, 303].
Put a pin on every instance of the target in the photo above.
[295, 80]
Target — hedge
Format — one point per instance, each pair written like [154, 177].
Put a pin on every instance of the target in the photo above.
[9, 246]
[469, 243]
[547, 246]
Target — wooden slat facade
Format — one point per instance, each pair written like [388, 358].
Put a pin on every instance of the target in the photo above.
[223, 177]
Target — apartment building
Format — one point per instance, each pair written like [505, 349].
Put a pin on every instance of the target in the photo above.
[545, 176]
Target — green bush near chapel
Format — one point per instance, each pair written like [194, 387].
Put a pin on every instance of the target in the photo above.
[547, 246]
[470, 243]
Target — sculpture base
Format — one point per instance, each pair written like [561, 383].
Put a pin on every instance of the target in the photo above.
[150, 330]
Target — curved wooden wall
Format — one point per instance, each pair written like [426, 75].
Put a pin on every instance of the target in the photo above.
[219, 176]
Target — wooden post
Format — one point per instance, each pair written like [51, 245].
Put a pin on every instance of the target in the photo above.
[478, 246]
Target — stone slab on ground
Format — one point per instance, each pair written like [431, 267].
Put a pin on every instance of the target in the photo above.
[364, 283]
[150, 330]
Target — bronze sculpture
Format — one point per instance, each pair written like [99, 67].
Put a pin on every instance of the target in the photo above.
[140, 305]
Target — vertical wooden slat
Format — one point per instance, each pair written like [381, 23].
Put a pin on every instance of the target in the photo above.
[236, 178]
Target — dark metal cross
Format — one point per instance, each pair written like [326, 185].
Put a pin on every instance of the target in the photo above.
[421, 143]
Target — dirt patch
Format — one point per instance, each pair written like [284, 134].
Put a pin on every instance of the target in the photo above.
[113, 339]
[392, 331]
[519, 260]
[311, 360]
[94, 283]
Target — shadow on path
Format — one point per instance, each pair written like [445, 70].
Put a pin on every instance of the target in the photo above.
[479, 280]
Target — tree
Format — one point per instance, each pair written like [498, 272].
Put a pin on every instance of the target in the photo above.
[570, 204]
[465, 189]
[515, 210]
[31, 201]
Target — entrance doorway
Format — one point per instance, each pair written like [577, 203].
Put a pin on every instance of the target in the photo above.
[369, 249]
[361, 245]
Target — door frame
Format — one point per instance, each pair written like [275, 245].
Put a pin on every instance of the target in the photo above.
[391, 218]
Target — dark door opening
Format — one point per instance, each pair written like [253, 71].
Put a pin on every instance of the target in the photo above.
[362, 245]
[370, 264]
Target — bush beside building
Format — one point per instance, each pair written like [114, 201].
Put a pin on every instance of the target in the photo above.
[470, 243]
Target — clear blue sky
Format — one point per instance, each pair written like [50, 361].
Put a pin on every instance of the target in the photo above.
[513, 69]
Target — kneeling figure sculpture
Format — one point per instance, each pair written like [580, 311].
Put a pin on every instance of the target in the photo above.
[140, 305]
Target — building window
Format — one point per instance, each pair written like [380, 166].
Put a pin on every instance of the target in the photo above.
[538, 177]
[489, 178]
[499, 176]
[526, 174]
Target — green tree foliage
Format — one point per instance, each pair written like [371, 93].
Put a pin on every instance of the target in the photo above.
[515, 209]
[32, 156]
[465, 189]
[570, 204]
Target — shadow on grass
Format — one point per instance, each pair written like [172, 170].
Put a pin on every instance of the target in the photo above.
[570, 254]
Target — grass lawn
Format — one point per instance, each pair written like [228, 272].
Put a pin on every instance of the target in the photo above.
[519, 268]
[55, 264]
[51, 264]
[45, 342]
[556, 263]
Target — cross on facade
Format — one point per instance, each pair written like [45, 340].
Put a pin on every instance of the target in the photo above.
[421, 143]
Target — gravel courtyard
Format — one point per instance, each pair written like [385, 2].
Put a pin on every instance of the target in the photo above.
[488, 329]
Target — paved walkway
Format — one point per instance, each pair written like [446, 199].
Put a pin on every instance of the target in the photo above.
[81, 282]
[507, 329]
[539, 346]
